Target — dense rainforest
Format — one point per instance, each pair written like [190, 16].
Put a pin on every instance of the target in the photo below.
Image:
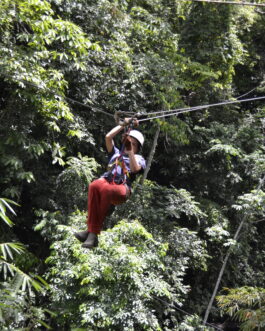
[187, 250]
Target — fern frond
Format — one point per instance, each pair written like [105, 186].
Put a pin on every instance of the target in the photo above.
[245, 304]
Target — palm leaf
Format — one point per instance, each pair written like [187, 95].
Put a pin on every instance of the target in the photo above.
[4, 205]
[7, 203]
[6, 219]
[7, 248]
[21, 280]
[6, 269]
[44, 324]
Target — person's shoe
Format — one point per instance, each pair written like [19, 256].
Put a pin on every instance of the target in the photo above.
[81, 236]
[91, 241]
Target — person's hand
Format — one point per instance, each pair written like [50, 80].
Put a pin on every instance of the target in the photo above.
[128, 144]
[128, 120]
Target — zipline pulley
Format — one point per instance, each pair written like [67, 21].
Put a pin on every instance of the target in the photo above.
[119, 116]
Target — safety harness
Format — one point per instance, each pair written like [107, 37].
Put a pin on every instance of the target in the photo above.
[125, 177]
[114, 178]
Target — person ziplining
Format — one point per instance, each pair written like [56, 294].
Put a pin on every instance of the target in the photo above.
[114, 186]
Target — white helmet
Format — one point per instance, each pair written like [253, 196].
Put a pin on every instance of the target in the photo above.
[137, 135]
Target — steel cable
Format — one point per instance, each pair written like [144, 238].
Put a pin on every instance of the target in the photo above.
[228, 2]
[158, 114]
[178, 111]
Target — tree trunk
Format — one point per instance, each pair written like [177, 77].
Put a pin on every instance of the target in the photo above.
[225, 262]
[151, 155]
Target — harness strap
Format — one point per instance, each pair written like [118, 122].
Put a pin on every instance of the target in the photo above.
[120, 161]
[124, 170]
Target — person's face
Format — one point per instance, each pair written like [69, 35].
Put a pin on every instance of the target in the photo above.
[134, 144]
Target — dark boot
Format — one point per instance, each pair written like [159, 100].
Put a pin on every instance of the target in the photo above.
[91, 241]
[81, 236]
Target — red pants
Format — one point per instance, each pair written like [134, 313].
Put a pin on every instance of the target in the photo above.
[101, 195]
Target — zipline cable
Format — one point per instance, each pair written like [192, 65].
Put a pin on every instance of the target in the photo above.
[247, 93]
[71, 100]
[93, 108]
[202, 106]
[229, 2]
[171, 112]
[178, 111]
[160, 114]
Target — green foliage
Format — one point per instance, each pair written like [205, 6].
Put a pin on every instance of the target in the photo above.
[47, 39]
[187, 247]
[217, 225]
[4, 205]
[160, 208]
[7, 248]
[245, 304]
[36, 47]
[72, 183]
[193, 323]
[18, 309]
[252, 204]
[17, 287]
[137, 56]
[114, 286]
[176, 131]
[228, 150]
[217, 43]
[47, 223]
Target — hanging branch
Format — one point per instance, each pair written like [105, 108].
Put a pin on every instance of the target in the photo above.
[151, 155]
[225, 262]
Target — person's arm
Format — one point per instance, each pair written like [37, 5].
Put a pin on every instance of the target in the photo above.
[134, 165]
[110, 135]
